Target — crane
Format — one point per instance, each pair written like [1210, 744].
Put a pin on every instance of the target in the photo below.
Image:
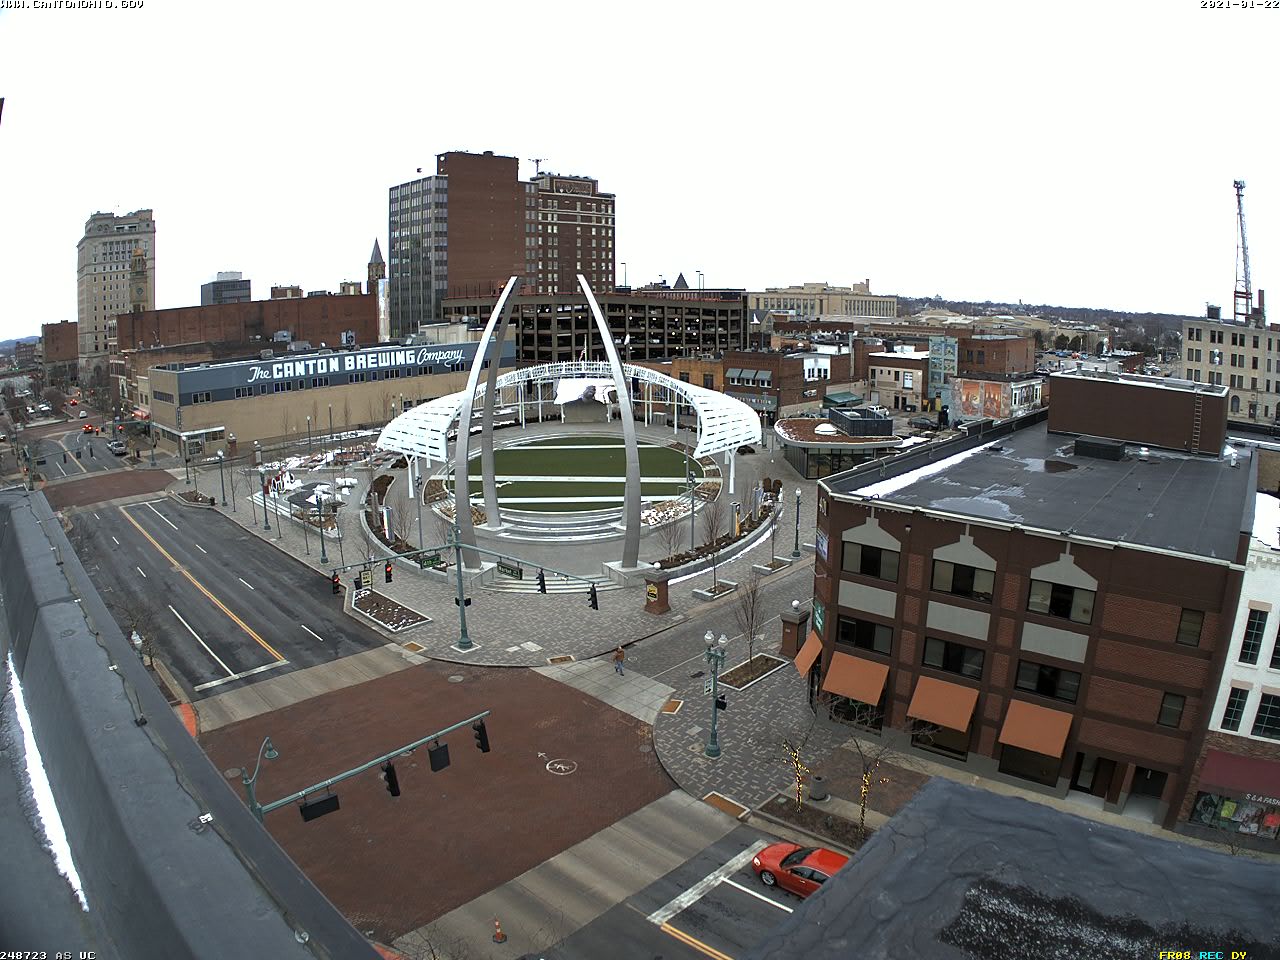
[1244, 283]
[539, 161]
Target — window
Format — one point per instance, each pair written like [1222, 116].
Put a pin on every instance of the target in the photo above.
[1252, 644]
[963, 581]
[953, 657]
[1235, 708]
[709, 381]
[242, 392]
[201, 397]
[1275, 655]
[1048, 681]
[870, 561]
[1171, 710]
[1266, 722]
[1189, 627]
[1057, 600]
[864, 635]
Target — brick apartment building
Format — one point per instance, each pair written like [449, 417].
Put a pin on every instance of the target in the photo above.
[988, 356]
[61, 351]
[899, 379]
[1054, 608]
[25, 352]
[771, 382]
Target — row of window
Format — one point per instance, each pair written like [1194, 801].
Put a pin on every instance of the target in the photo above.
[1251, 647]
[974, 583]
[1266, 722]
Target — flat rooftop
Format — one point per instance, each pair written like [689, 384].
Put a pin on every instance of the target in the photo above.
[1172, 501]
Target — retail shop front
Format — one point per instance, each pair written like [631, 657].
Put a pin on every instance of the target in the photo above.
[1239, 795]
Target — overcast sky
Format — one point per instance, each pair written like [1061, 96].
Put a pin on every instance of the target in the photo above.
[1078, 154]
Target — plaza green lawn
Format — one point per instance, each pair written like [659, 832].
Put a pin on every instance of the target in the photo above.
[562, 472]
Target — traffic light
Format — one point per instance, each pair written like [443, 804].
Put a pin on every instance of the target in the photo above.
[120, 428]
[482, 736]
[387, 570]
[593, 600]
[389, 775]
[542, 582]
[438, 754]
[721, 702]
[337, 583]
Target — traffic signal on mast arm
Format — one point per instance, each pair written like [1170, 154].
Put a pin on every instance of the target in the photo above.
[337, 583]
[389, 775]
[593, 600]
[387, 570]
[482, 736]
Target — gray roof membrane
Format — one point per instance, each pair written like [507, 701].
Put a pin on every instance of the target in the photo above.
[963, 874]
[1174, 501]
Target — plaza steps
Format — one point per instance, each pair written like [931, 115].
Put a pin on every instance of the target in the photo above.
[576, 527]
[555, 584]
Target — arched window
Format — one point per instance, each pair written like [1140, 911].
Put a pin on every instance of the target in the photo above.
[1235, 404]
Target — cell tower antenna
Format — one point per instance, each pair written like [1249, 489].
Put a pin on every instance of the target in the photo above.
[1244, 282]
[537, 164]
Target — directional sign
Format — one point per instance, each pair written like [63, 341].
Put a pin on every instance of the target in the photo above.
[366, 579]
[706, 685]
[511, 570]
[430, 560]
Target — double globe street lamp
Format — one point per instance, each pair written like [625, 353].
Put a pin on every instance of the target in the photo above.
[715, 657]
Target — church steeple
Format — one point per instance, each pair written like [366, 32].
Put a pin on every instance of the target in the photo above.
[377, 268]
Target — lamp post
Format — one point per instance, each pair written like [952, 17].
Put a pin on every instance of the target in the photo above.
[308, 434]
[688, 475]
[464, 641]
[262, 475]
[795, 552]
[715, 657]
[222, 482]
[324, 556]
[250, 783]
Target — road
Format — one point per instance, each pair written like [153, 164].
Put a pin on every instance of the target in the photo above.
[226, 608]
[60, 450]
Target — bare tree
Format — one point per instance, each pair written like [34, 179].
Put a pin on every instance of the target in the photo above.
[141, 627]
[712, 517]
[56, 399]
[748, 613]
[873, 754]
[776, 509]
[670, 537]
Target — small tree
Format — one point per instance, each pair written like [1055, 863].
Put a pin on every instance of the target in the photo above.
[777, 510]
[712, 517]
[670, 537]
[55, 398]
[748, 613]
[141, 627]
[872, 754]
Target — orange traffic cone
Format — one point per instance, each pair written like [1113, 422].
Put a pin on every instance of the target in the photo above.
[498, 935]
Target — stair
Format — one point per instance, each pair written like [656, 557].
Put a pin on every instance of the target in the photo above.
[555, 584]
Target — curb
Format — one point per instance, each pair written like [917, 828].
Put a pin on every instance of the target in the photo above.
[792, 828]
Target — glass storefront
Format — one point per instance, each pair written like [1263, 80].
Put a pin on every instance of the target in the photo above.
[1248, 814]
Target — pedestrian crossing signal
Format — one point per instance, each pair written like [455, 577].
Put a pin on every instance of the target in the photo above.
[722, 702]
[593, 600]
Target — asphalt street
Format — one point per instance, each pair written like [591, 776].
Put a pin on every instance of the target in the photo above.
[75, 453]
[712, 905]
[226, 608]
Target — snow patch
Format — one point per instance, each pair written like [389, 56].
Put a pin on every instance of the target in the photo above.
[55, 836]
[883, 488]
[1266, 519]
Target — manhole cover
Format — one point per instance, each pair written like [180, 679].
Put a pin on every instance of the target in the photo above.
[233, 773]
[457, 678]
[646, 748]
[565, 658]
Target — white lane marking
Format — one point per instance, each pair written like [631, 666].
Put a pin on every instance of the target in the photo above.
[60, 470]
[703, 886]
[312, 632]
[113, 537]
[241, 676]
[141, 571]
[161, 515]
[96, 517]
[230, 673]
[758, 895]
[245, 582]
[201, 549]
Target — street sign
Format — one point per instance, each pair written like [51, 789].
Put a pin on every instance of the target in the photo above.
[706, 685]
[366, 579]
[651, 591]
[511, 570]
[430, 560]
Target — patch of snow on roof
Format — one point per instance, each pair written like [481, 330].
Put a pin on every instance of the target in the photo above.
[1266, 519]
[55, 835]
[883, 488]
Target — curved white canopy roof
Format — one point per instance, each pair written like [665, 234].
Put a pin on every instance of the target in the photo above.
[723, 422]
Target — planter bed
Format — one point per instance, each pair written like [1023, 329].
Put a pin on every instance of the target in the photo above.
[745, 674]
[386, 612]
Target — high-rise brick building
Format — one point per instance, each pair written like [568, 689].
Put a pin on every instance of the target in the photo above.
[106, 272]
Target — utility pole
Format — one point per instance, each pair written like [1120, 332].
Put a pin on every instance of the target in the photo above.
[1244, 282]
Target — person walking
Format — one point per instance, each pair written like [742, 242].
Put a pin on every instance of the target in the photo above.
[619, 655]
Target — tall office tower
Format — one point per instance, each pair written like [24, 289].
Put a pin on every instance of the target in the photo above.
[464, 231]
[104, 269]
[229, 287]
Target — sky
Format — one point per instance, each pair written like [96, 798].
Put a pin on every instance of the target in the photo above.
[1077, 154]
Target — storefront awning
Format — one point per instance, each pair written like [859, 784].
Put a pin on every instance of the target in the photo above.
[809, 654]
[1240, 775]
[855, 678]
[749, 376]
[1037, 729]
[841, 398]
[733, 373]
[945, 704]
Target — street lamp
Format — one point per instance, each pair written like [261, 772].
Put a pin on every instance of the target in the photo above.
[688, 475]
[221, 479]
[262, 475]
[715, 657]
[308, 434]
[250, 783]
[796, 550]
[324, 556]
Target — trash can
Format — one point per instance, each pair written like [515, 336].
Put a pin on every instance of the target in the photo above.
[818, 788]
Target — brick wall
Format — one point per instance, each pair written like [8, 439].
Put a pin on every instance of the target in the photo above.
[1152, 747]
[1171, 666]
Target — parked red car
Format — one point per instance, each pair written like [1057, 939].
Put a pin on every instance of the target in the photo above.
[800, 870]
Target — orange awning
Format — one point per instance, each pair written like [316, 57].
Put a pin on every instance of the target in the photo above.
[945, 704]
[855, 678]
[809, 654]
[1034, 728]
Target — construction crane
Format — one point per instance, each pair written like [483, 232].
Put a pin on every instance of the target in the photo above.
[537, 164]
[1244, 283]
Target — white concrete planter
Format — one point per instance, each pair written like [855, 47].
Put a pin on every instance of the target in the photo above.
[726, 587]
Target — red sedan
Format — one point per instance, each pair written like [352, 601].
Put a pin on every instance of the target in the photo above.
[801, 870]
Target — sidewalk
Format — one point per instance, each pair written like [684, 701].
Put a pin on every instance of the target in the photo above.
[507, 629]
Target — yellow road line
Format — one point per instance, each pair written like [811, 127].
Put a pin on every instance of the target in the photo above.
[694, 942]
[201, 587]
[72, 458]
